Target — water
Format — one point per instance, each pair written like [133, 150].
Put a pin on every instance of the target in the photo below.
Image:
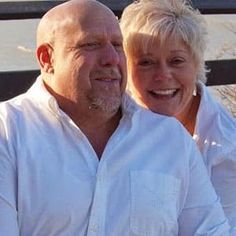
[17, 41]
[17, 45]
[17, 48]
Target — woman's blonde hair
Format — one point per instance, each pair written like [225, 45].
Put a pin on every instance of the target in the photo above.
[144, 21]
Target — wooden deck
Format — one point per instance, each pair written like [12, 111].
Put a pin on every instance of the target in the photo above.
[226, 95]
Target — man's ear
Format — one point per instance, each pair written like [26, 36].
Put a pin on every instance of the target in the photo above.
[45, 58]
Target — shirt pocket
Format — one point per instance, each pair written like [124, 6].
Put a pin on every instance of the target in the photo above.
[154, 203]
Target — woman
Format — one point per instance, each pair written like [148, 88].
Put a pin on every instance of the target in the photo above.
[164, 41]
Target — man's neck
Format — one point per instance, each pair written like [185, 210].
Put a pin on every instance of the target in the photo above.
[98, 126]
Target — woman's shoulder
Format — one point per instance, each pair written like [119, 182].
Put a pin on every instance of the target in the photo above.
[214, 123]
[210, 109]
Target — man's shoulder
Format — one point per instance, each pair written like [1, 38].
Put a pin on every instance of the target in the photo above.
[147, 118]
[159, 126]
[18, 111]
[15, 105]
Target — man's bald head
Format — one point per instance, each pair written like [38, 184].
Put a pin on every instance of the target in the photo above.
[79, 49]
[65, 14]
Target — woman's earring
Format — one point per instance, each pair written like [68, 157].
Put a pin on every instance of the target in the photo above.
[195, 91]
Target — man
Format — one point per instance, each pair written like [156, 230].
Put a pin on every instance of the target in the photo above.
[79, 157]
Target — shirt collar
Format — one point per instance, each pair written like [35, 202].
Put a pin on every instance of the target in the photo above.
[207, 103]
[129, 106]
[39, 93]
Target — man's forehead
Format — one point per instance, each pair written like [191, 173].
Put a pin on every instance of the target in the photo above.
[94, 27]
[99, 20]
[102, 34]
[77, 35]
[83, 13]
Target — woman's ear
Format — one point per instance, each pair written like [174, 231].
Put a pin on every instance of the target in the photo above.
[45, 58]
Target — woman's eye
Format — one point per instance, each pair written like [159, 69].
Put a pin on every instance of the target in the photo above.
[177, 61]
[145, 62]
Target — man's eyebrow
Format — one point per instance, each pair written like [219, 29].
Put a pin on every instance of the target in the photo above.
[90, 37]
[118, 37]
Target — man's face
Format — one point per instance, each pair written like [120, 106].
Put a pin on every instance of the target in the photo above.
[89, 62]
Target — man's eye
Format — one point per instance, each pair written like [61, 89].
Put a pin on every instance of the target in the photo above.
[118, 46]
[90, 45]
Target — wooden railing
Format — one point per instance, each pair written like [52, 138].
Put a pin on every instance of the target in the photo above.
[13, 83]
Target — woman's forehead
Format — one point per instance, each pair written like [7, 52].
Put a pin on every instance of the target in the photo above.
[145, 43]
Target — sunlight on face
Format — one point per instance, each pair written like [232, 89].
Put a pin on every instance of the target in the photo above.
[162, 78]
[90, 62]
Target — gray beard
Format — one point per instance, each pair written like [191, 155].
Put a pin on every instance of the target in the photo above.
[108, 106]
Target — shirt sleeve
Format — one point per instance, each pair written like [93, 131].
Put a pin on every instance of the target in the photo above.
[8, 192]
[223, 177]
[202, 213]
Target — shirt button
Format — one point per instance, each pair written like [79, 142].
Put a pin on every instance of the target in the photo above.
[94, 227]
[100, 178]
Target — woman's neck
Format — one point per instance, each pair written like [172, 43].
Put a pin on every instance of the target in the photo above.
[189, 115]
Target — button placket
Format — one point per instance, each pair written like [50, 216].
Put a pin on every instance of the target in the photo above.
[98, 209]
[94, 227]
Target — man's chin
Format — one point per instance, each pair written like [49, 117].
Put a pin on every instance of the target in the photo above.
[110, 105]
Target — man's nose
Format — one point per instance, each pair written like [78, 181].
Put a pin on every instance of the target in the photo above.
[110, 55]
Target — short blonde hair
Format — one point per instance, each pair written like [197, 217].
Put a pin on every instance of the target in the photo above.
[161, 19]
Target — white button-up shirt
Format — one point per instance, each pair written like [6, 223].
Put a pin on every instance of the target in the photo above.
[150, 180]
[215, 134]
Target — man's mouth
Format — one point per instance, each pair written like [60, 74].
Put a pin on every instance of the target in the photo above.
[110, 75]
[108, 80]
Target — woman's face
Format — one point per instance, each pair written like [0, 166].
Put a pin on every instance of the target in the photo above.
[163, 78]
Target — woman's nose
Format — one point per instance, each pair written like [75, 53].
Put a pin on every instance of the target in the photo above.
[163, 72]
